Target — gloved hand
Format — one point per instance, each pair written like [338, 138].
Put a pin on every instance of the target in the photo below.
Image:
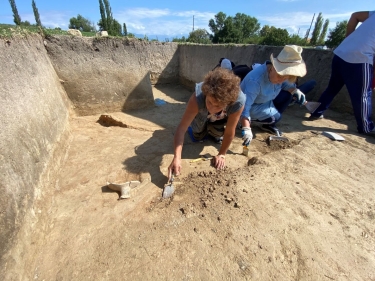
[298, 96]
[247, 135]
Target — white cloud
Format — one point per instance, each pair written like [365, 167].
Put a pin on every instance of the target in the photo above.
[163, 21]
[49, 19]
[300, 21]
[142, 13]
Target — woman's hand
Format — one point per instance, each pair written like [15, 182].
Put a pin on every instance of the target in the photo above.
[174, 168]
[218, 161]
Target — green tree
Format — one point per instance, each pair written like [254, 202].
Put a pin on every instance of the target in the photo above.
[247, 26]
[26, 23]
[323, 33]
[107, 22]
[109, 18]
[16, 16]
[36, 14]
[295, 39]
[233, 29]
[337, 35]
[199, 36]
[81, 23]
[116, 27]
[124, 30]
[276, 37]
[182, 39]
[264, 31]
[103, 21]
[216, 25]
[317, 29]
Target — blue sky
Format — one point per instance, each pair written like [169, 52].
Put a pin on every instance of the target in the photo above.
[171, 19]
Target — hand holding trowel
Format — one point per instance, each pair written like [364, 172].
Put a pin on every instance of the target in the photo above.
[299, 97]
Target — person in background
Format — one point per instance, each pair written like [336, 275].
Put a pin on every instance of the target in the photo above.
[213, 110]
[352, 65]
[226, 64]
[262, 86]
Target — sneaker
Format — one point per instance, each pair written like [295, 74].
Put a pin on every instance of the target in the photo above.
[371, 133]
[312, 117]
[271, 129]
[218, 140]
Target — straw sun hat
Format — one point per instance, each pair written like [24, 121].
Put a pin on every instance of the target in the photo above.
[289, 61]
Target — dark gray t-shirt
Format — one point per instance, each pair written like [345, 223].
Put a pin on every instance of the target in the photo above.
[203, 115]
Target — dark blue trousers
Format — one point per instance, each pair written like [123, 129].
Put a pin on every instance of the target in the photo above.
[357, 78]
[284, 98]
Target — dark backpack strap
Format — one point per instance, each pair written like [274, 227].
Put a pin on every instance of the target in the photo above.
[242, 70]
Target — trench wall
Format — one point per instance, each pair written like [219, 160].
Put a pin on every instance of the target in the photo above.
[34, 122]
[111, 74]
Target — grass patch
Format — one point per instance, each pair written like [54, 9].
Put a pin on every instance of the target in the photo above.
[10, 30]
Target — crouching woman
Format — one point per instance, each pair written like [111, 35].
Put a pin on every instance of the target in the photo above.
[213, 110]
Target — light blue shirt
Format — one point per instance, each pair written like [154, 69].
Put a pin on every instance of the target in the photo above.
[260, 93]
[359, 46]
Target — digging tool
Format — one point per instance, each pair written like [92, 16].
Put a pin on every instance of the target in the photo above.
[168, 188]
[278, 137]
[331, 135]
[245, 150]
[311, 105]
[123, 188]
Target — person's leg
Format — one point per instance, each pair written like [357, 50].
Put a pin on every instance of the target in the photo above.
[336, 82]
[269, 124]
[307, 86]
[216, 129]
[198, 128]
[282, 100]
[358, 82]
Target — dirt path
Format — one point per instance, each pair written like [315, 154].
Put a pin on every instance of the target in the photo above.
[298, 211]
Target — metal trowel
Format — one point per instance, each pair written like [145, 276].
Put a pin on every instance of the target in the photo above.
[311, 105]
[168, 188]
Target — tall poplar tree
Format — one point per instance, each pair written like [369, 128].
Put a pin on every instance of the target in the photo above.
[103, 16]
[36, 14]
[317, 29]
[323, 33]
[16, 16]
[125, 31]
[109, 18]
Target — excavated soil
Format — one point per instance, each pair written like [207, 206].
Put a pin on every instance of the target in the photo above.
[297, 210]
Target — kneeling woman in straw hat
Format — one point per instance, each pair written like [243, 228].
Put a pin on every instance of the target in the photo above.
[262, 86]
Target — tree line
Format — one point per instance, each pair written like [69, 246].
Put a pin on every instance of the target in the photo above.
[106, 22]
[238, 29]
[244, 29]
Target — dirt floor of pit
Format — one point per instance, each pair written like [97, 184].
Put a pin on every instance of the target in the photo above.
[302, 210]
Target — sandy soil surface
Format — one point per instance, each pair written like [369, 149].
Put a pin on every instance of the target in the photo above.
[302, 210]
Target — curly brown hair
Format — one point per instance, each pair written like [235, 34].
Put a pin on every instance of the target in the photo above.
[223, 85]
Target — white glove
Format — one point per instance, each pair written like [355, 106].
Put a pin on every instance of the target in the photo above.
[247, 135]
[298, 96]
